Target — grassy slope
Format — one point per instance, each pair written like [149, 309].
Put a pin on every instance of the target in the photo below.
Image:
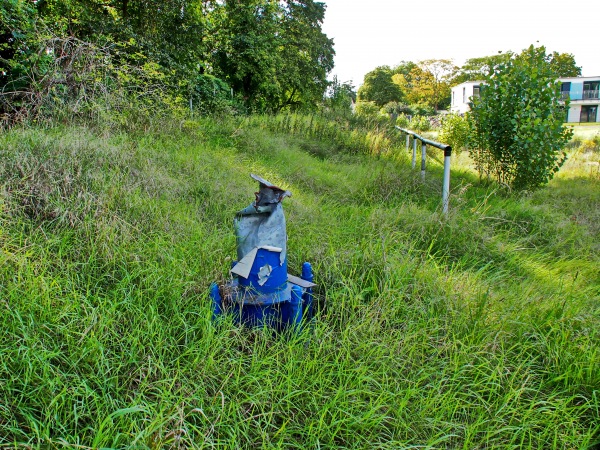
[482, 331]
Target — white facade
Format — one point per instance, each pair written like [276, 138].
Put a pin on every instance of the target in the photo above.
[583, 92]
[462, 94]
[574, 114]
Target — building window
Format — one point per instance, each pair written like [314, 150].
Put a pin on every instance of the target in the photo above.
[453, 97]
[476, 91]
[464, 95]
[565, 89]
[589, 113]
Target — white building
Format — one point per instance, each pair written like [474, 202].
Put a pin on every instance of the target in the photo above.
[462, 94]
[582, 91]
[585, 101]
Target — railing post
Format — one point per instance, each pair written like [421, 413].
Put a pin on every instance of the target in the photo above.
[423, 146]
[446, 184]
[447, 153]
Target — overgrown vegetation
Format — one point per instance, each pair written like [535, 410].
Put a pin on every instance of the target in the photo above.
[478, 331]
[261, 55]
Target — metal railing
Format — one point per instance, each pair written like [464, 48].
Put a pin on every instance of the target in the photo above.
[447, 154]
[585, 95]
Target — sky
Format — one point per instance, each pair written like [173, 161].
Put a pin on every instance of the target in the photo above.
[371, 33]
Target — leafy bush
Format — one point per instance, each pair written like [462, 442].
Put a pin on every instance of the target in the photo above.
[455, 131]
[518, 121]
[396, 108]
[339, 98]
[367, 109]
[379, 88]
[419, 123]
[402, 121]
[211, 95]
[63, 77]
[68, 79]
[252, 46]
[422, 109]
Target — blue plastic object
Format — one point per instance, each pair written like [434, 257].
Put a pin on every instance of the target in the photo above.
[307, 275]
[262, 293]
[268, 274]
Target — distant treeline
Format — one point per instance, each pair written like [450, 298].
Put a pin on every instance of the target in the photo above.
[427, 83]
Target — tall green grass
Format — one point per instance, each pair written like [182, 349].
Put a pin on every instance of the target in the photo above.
[353, 135]
[480, 330]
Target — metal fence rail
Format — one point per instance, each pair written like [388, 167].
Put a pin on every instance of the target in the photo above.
[447, 154]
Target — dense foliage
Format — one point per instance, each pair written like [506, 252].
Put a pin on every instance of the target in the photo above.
[273, 54]
[518, 122]
[478, 68]
[379, 88]
[17, 26]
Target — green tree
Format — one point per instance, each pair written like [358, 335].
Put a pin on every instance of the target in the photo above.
[564, 65]
[478, 68]
[426, 82]
[474, 69]
[404, 67]
[306, 54]
[246, 50]
[272, 52]
[379, 88]
[168, 36]
[440, 71]
[168, 31]
[83, 19]
[518, 122]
